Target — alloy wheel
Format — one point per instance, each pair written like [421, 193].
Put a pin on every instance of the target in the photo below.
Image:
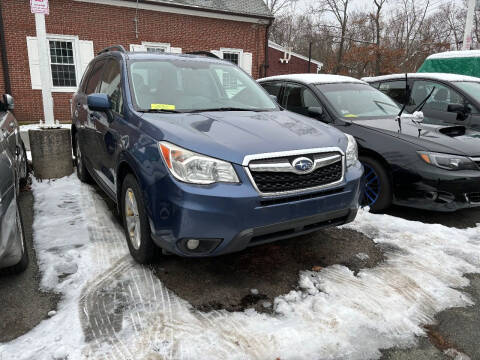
[79, 159]
[132, 218]
[371, 191]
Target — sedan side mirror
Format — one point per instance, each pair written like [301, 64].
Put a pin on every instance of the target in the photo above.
[461, 110]
[9, 102]
[99, 102]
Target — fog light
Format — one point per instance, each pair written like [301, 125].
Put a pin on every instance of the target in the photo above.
[192, 244]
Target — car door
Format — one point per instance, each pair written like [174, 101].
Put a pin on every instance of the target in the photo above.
[86, 129]
[108, 124]
[438, 108]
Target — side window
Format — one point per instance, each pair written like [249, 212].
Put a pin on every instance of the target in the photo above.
[273, 88]
[94, 78]
[111, 85]
[299, 98]
[395, 90]
[441, 97]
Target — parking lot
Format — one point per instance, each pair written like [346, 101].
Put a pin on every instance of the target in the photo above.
[382, 287]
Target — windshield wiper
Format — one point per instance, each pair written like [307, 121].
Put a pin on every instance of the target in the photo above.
[159, 111]
[224, 109]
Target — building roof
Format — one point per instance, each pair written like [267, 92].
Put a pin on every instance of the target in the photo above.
[239, 7]
[430, 76]
[315, 78]
[455, 54]
[281, 48]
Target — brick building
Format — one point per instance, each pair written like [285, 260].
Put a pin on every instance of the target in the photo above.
[283, 61]
[77, 29]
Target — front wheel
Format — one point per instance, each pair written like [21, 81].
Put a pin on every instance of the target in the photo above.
[377, 191]
[82, 172]
[135, 222]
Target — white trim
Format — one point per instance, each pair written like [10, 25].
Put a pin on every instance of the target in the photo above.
[157, 45]
[239, 52]
[283, 49]
[175, 10]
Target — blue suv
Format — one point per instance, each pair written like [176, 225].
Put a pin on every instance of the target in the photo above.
[201, 161]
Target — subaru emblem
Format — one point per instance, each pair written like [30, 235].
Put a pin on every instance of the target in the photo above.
[302, 165]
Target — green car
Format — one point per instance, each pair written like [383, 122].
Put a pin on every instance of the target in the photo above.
[453, 62]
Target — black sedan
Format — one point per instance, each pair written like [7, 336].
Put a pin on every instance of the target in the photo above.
[13, 171]
[407, 162]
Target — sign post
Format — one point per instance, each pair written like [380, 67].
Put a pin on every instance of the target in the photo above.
[40, 9]
[467, 38]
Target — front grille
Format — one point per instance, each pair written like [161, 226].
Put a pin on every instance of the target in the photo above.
[272, 182]
[474, 197]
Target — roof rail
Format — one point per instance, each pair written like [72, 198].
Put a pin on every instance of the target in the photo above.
[204, 53]
[113, 48]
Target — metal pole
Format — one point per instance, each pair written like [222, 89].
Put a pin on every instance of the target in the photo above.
[467, 38]
[309, 56]
[45, 79]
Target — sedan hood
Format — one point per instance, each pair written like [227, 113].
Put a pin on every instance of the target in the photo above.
[433, 137]
[231, 135]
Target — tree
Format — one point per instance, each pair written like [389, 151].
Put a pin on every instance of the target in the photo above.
[376, 18]
[276, 6]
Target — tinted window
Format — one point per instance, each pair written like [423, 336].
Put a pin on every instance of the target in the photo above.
[472, 89]
[394, 89]
[273, 88]
[111, 84]
[299, 98]
[441, 97]
[94, 78]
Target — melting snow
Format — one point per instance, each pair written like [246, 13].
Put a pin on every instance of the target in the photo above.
[113, 308]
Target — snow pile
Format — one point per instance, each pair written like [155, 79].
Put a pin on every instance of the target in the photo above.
[116, 309]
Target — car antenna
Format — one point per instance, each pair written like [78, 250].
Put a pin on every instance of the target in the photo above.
[407, 99]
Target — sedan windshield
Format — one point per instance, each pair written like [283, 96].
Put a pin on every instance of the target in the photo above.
[471, 88]
[357, 101]
[190, 85]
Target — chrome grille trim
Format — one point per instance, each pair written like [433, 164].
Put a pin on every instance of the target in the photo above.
[286, 166]
[281, 165]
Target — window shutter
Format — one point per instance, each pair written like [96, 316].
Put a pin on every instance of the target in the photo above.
[246, 63]
[34, 62]
[217, 53]
[135, 47]
[86, 55]
[175, 50]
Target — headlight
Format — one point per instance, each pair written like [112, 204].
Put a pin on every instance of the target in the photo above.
[448, 162]
[352, 151]
[190, 167]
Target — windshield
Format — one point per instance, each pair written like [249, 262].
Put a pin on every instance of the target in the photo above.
[471, 88]
[357, 101]
[186, 85]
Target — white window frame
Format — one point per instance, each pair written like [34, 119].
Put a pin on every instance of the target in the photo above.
[239, 52]
[76, 61]
[165, 46]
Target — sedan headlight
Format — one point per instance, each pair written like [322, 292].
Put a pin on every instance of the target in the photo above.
[447, 161]
[190, 167]
[352, 151]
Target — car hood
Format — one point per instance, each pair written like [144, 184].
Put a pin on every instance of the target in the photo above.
[232, 135]
[434, 137]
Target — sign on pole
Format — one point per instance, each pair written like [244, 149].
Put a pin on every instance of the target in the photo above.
[39, 7]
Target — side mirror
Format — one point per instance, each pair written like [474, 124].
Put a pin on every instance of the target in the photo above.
[461, 110]
[9, 102]
[99, 102]
[315, 111]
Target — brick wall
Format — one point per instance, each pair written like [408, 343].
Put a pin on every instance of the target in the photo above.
[294, 66]
[107, 25]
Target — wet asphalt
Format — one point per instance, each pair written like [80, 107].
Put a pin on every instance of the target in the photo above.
[254, 277]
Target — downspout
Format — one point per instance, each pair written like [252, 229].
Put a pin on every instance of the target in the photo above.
[266, 62]
[3, 45]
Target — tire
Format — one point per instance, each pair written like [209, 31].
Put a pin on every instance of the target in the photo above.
[136, 224]
[377, 187]
[24, 168]
[82, 172]
[23, 263]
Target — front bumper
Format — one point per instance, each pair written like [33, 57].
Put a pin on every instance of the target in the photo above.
[237, 217]
[431, 188]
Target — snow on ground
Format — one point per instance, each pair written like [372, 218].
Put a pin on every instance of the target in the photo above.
[115, 309]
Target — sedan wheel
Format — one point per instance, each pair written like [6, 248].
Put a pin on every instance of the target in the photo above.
[132, 219]
[371, 191]
[377, 191]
